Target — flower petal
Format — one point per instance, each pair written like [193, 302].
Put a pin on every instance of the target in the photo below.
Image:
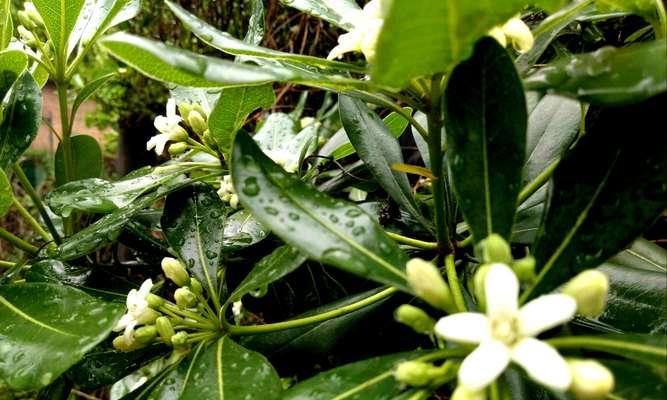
[122, 322]
[502, 290]
[484, 364]
[546, 312]
[145, 288]
[171, 108]
[542, 363]
[128, 334]
[464, 327]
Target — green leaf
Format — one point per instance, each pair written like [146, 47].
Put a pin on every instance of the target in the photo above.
[274, 266]
[593, 209]
[255, 32]
[486, 133]
[12, 64]
[643, 254]
[333, 11]
[636, 382]
[22, 117]
[46, 328]
[60, 17]
[193, 223]
[6, 194]
[423, 37]
[607, 76]
[89, 90]
[645, 349]
[338, 233]
[6, 25]
[98, 16]
[279, 137]
[232, 109]
[242, 230]
[227, 43]
[222, 370]
[87, 158]
[379, 150]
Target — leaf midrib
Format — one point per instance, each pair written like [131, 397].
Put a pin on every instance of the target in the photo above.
[28, 318]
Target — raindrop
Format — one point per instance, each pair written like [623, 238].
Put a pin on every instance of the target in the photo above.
[250, 186]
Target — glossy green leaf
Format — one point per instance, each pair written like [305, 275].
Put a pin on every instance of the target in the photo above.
[593, 209]
[221, 370]
[242, 230]
[6, 24]
[280, 138]
[46, 328]
[227, 43]
[193, 222]
[22, 117]
[339, 233]
[423, 37]
[55, 271]
[6, 194]
[89, 90]
[486, 133]
[86, 156]
[646, 349]
[333, 11]
[379, 150]
[255, 32]
[98, 16]
[634, 381]
[232, 110]
[274, 266]
[643, 254]
[647, 9]
[60, 17]
[607, 76]
[12, 64]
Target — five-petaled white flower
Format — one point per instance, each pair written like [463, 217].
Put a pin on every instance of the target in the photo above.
[363, 37]
[168, 126]
[138, 311]
[506, 333]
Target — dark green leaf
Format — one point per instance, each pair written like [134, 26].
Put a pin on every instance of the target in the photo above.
[486, 133]
[333, 11]
[86, 157]
[593, 209]
[607, 76]
[379, 149]
[193, 222]
[89, 90]
[643, 254]
[22, 117]
[242, 230]
[59, 18]
[12, 64]
[46, 328]
[6, 194]
[338, 233]
[646, 349]
[636, 382]
[529, 217]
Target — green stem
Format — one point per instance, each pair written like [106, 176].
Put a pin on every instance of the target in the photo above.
[661, 29]
[18, 242]
[436, 156]
[32, 193]
[7, 264]
[454, 285]
[399, 110]
[33, 222]
[295, 323]
[413, 242]
[65, 142]
[184, 313]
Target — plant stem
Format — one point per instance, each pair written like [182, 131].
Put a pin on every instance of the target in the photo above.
[33, 222]
[18, 242]
[65, 143]
[32, 193]
[399, 110]
[6, 264]
[435, 152]
[454, 284]
[295, 323]
[413, 242]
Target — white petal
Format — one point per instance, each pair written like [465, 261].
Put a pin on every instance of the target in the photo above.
[465, 327]
[122, 322]
[171, 108]
[145, 288]
[161, 123]
[131, 298]
[519, 34]
[129, 330]
[542, 363]
[347, 42]
[484, 364]
[502, 290]
[546, 312]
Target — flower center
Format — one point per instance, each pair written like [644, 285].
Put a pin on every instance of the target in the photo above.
[505, 329]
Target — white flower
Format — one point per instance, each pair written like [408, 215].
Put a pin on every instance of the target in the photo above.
[506, 333]
[283, 158]
[363, 37]
[138, 311]
[166, 124]
[169, 129]
[516, 32]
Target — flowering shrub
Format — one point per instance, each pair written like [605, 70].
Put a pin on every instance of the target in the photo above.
[503, 258]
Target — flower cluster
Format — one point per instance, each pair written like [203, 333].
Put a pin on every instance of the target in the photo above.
[172, 128]
[227, 192]
[363, 37]
[32, 30]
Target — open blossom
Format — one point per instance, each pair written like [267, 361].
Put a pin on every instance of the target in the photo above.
[138, 311]
[516, 32]
[169, 128]
[363, 37]
[507, 333]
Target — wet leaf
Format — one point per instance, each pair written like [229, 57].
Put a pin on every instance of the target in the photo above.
[21, 119]
[86, 158]
[59, 18]
[242, 230]
[6, 194]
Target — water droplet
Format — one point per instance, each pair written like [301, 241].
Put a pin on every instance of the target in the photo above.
[271, 210]
[250, 186]
[293, 216]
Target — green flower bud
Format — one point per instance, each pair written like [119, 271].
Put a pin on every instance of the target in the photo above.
[415, 318]
[478, 281]
[178, 134]
[185, 298]
[32, 13]
[427, 283]
[495, 250]
[524, 268]
[164, 329]
[175, 271]
[148, 317]
[27, 36]
[590, 380]
[154, 301]
[463, 393]
[145, 334]
[198, 107]
[418, 373]
[121, 344]
[197, 122]
[25, 20]
[176, 149]
[589, 289]
[180, 339]
[196, 286]
[184, 109]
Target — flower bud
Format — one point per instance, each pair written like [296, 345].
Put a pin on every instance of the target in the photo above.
[519, 34]
[198, 107]
[478, 281]
[145, 334]
[524, 268]
[197, 122]
[463, 393]
[184, 109]
[185, 298]
[164, 329]
[196, 287]
[589, 289]
[178, 134]
[25, 20]
[176, 149]
[415, 318]
[148, 316]
[175, 271]
[180, 339]
[427, 283]
[413, 373]
[154, 301]
[120, 343]
[234, 201]
[590, 380]
[32, 13]
[496, 250]
[27, 36]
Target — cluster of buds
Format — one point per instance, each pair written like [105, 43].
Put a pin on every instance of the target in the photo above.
[32, 29]
[153, 319]
[227, 192]
[172, 128]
